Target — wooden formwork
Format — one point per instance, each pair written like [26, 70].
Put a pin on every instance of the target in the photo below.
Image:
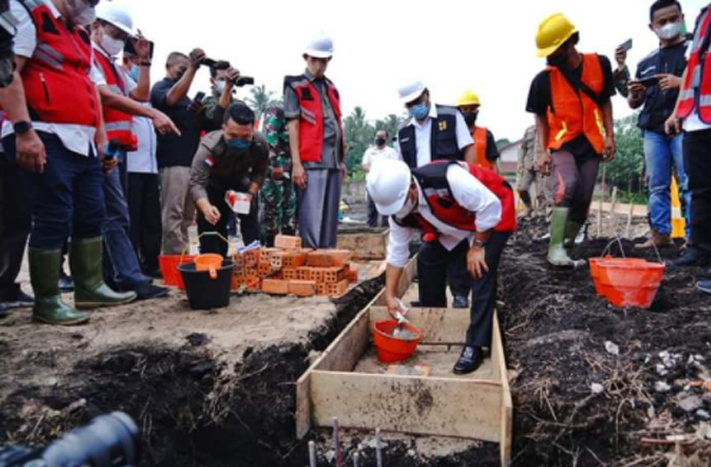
[366, 244]
[341, 382]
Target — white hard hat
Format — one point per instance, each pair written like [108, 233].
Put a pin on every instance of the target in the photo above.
[117, 15]
[388, 184]
[411, 91]
[319, 47]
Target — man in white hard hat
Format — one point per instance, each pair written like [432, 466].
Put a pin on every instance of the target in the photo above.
[466, 208]
[121, 101]
[312, 106]
[436, 132]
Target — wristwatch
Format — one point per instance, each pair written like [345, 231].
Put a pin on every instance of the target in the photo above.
[478, 243]
[22, 127]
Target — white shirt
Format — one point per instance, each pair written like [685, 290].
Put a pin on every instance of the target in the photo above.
[374, 154]
[76, 138]
[469, 193]
[423, 135]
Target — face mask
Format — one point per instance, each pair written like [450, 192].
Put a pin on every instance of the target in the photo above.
[470, 118]
[219, 87]
[112, 46]
[239, 145]
[406, 209]
[419, 111]
[80, 12]
[557, 61]
[135, 73]
[668, 32]
[380, 142]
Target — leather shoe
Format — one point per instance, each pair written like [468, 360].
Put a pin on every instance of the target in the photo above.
[147, 291]
[691, 257]
[469, 361]
[704, 286]
[460, 301]
[66, 284]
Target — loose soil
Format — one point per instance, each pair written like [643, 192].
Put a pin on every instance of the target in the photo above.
[216, 388]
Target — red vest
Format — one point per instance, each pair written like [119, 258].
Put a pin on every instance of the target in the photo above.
[481, 139]
[56, 79]
[574, 112]
[118, 124]
[432, 179]
[696, 90]
[311, 124]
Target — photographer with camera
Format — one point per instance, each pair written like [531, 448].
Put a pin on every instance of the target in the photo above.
[223, 79]
[176, 152]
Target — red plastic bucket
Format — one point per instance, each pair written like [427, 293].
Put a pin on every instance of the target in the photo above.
[391, 349]
[169, 269]
[630, 282]
[600, 288]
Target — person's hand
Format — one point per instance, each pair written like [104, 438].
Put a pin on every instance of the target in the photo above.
[476, 262]
[543, 163]
[142, 47]
[31, 153]
[620, 57]
[232, 75]
[609, 150]
[196, 106]
[163, 123]
[212, 214]
[196, 58]
[668, 82]
[394, 307]
[299, 175]
[673, 125]
[636, 89]
[109, 164]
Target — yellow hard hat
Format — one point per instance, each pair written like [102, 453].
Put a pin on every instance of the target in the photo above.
[468, 98]
[553, 32]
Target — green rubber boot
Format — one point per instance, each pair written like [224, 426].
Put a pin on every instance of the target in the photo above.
[557, 256]
[572, 229]
[90, 291]
[49, 307]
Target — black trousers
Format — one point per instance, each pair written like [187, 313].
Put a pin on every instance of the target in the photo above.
[374, 217]
[458, 273]
[249, 224]
[697, 162]
[15, 225]
[432, 262]
[144, 210]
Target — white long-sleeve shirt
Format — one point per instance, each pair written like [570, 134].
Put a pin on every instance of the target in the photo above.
[469, 193]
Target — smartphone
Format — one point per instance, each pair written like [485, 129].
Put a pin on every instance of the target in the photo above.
[626, 46]
[649, 82]
[199, 97]
[129, 48]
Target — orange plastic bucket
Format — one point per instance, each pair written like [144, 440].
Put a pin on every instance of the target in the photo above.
[630, 282]
[209, 262]
[600, 288]
[169, 269]
[391, 349]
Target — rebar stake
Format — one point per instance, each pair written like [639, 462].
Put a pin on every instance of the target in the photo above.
[378, 448]
[312, 454]
[336, 443]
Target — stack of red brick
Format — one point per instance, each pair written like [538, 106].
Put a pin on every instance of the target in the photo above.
[289, 269]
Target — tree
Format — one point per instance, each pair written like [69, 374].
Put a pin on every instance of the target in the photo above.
[261, 100]
[359, 136]
[626, 170]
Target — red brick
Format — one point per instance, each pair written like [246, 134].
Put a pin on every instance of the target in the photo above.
[264, 269]
[289, 274]
[278, 260]
[338, 289]
[287, 242]
[302, 288]
[303, 273]
[275, 287]
[318, 275]
[339, 257]
[294, 260]
[322, 289]
[334, 275]
[352, 276]
[319, 259]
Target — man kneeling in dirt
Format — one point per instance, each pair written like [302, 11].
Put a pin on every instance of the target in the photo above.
[456, 206]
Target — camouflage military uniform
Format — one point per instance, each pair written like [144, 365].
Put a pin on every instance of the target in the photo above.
[528, 174]
[278, 196]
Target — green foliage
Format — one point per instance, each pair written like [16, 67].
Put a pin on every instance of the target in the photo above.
[502, 142]
[359, 135]
[626, 171]
[261, 100]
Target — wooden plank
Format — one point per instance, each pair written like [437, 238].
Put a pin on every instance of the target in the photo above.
[497, 353]
[366, 246]
[343, 354]
[438, 325]
[303, 405]
[404, 404]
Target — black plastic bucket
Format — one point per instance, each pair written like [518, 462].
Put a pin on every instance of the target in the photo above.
[205, 293]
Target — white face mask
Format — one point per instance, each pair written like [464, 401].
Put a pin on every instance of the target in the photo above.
[112, 46]
[80, 12]
[406, 209]
[668, 32]
[219, 87]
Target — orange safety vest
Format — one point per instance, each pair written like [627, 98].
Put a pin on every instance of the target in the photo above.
[480, 135]
[696, 90]
[118, 124]
[574, 113]
[56, 79]
[311, 123]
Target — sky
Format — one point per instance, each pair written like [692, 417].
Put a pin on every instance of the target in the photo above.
[452, 45]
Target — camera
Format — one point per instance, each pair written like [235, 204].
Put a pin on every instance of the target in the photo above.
[108, 441]
[241, 81]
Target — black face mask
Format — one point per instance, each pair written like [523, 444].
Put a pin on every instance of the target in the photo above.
[380, 142]
[557, 61]
[470, 118]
